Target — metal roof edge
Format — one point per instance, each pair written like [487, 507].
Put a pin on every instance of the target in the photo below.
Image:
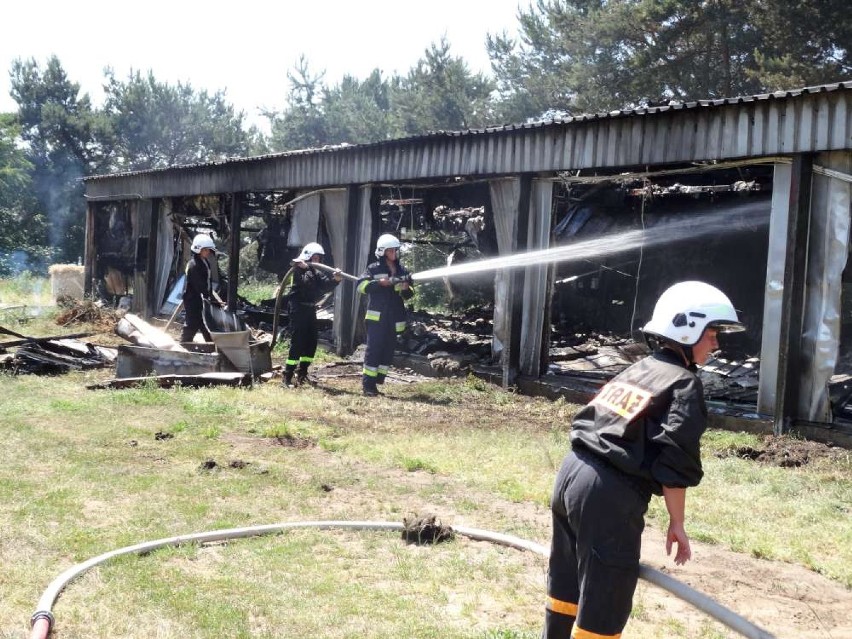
[506, 128]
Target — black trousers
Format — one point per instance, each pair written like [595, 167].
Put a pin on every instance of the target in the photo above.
[192, 323]
[303, 340]
[598, 518]
[381, 344]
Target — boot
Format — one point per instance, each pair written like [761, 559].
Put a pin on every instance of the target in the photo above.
[302, 375]
[369, 386]
[288, 379]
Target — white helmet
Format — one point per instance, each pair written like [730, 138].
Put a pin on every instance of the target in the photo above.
[385, 242]
[311, 249]
[202, 241]
[685, 309]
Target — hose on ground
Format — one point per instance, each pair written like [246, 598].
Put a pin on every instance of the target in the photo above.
[42, 620]
[278, 296]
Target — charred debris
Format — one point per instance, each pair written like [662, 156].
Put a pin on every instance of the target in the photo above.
[58, 354]
[596, 307]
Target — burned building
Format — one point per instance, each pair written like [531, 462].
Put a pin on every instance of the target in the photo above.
[751, 194]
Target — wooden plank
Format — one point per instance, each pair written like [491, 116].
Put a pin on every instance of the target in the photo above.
[169, 381]
[89, 252]
[39, 340]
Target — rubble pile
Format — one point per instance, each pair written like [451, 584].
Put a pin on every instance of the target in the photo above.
[593, 355]
[52, 355]
[469, 333]
[87, 311]
[731, 380]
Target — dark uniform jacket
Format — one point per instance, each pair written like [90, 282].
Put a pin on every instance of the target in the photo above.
[386, 303]
[647, 422]
[309, 285]
[198, 285]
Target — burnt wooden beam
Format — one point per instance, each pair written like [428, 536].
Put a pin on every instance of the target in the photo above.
[89, 251]
[37, 340]
[234, 247]
[793, 301]
[346, 332]
[152, 305]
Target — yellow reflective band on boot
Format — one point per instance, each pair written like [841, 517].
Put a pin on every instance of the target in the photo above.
[561, 607]
[579, 633]
[400, 326]
[369, 371]
[292, 362]
[383, 370]
[304, 358]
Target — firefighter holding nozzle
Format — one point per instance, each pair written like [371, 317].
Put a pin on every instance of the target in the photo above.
[308, 287]
[388, 285]
[637, 438]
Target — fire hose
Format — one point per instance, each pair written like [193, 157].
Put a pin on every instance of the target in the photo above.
[323, 267]
[278, 296]
[279, 293]
[43, 620]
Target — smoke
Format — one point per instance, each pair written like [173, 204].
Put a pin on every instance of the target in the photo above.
[61, 197]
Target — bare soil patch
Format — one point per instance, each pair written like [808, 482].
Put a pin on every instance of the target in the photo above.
[785, 599]
[786, 452]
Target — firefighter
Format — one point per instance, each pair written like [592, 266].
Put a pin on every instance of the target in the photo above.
[387, 284]
[638, 437]
[198, 287]
[308, 287]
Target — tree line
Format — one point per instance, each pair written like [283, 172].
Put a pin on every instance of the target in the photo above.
[568, 57]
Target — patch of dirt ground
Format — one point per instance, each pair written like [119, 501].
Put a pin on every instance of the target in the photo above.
[786, 600]
[787, 452]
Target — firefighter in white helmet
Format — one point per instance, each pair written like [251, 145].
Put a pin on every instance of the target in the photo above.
[638, 437]
[198, 287]
[308, 286]
[388, 285]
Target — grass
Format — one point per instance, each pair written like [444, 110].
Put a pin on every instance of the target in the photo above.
[25, 290]
[257, 291]
[84, 473]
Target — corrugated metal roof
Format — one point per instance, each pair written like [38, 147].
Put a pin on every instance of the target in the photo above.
[810, 119]
[537, 124]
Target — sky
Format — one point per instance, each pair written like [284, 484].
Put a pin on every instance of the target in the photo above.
[245, 48]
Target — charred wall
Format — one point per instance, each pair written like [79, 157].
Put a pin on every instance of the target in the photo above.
[615, 293]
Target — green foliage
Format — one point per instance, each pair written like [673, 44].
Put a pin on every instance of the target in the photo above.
[636, 52]
[803, 43]
[440, 93]
[65, 140]
[14, 166]
[301, 124]
[358, 111]
[157, 124]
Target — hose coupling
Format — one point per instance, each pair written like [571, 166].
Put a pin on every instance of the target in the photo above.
[42, 614]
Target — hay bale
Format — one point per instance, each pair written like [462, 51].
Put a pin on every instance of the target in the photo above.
[66, 281]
